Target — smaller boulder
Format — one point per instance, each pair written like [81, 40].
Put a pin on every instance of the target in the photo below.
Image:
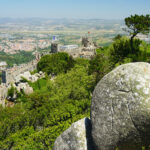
[77, 137]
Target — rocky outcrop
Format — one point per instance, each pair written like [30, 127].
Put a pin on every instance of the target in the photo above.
[77, 137]
[27, 75]
[19, 84]
[120, 111]
[24, 87]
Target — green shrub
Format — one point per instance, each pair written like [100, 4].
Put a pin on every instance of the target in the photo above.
[99, 66]
[11, 91]
[121, 49]
[51, 109]
[55, 63]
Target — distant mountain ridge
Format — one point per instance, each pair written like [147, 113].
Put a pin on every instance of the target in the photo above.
[52, 21]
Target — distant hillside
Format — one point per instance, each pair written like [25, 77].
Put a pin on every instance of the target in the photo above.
[64, 22]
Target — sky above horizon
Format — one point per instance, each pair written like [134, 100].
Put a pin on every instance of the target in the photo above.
[83, 9]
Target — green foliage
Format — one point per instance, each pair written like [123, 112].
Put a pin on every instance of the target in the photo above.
[121, 50]
[138, 24]
[99, 66]
[11, 91]
[39, 85]
[82, 62]
[117, 37]
[24, 79]
[55, 63]
[50, 110]
[33, 72]
[18, 58]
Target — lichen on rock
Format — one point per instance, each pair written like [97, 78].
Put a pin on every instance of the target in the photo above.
[120, 111]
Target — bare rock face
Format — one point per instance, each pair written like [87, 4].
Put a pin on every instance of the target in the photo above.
[77, 137]
[120, 110]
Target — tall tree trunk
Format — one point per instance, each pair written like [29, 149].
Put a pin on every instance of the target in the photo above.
[131, 44]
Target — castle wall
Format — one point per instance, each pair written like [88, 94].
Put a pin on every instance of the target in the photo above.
[3, 94]
[15, 71]
[8, 77]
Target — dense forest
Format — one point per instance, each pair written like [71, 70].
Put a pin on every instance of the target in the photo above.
[63, 96]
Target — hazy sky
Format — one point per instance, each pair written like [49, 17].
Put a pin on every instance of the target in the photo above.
[103, 9]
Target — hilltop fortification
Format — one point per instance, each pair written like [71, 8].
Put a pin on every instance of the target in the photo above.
[87, 50]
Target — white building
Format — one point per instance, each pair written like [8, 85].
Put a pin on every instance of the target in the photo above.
[68, 47]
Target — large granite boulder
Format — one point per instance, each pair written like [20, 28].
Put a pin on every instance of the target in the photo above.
[77, 137]
[120, 110]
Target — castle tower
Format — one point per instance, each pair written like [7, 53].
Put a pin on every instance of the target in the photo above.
[89, 48]
[4, 76]
[54, 48]
[86, 42]
[3, 66]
